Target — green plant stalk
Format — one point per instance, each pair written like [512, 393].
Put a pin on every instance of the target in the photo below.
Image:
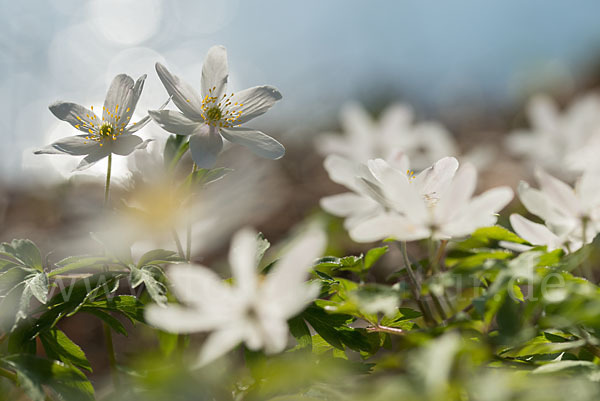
[416, 287]
[188, 239]
[178, 243]
[112, 359]
[434, 266]
[8, 374]
[586, 269]
[107, 186]
[184, 148]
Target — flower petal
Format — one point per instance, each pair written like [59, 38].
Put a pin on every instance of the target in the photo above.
[215, 72]
[218, 344]
[459, 192]
[242, 260]
[76, 115]
[388, 225]
[205, 145]
[95, 155]
[255, 101]
[174, 122]
[198, 286]
[125, 144]
[178, 319]
[534, 233]
[259, 143]
[121, 98]
[72, 145]
[346, 204]
[435, 179]
[342, 171]
[558, 192]
[183, 95]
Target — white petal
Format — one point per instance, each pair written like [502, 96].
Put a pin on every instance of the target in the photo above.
[177, 319]
[255, 101]
[76, 115]
[136, 126]
[218, 344]
[588, 188]
[276, 334]
[71, 145]
[346, 204]
[293, 267]
[459, 193]
[538, 203]
[198, 286]
[242, 260]
[205, 145]
[479, 212]
[124, 144]
[258, 142]
[182, 94]
[534, 233]
[386, 226]
[558, 192]
[121, 98]
[357, 123]
[542, 113]
[342, 171]
[173, 121]
[92, 158]
[215, 72]
[435, 179]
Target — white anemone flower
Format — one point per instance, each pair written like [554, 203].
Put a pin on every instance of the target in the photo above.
[362, 203]
[442, 208]
[112, 133]
[538, 235]
[365, 139]
[213, 114]
[253, 310]
[573, 214]
[554, 135]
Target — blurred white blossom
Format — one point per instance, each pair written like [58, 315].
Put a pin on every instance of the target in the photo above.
[556, 138]
[364, 139]
[253, 310]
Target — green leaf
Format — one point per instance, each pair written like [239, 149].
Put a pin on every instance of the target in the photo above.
[24, 251]
[34, 372]
[175, 147]
[155, 288]
[80, 262]
[60, 347]
[167, 342]
[327, 324]
[486, 236]
[373, 255]
[204, 176]
[113, 322]
[15, 305]
[300, 331]
[157, 257]
[128, 305]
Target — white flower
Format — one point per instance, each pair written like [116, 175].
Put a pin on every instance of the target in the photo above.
[538, 235]
[554, 135]
[113, 133]
[253, 310]
[565, 210]
[365, 139]
[213, 115]
[438, 204]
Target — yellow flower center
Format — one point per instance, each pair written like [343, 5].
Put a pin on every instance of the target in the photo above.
[105, 130]
[220, 112]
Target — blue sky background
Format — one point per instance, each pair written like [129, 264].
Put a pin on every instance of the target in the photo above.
[319, 53]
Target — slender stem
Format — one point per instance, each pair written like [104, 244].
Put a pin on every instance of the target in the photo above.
[438, 306]
[188, 248]
[416, 287]
[107, 186]
[8, 374]
[588, 272]
[386, 329]
[184, 148]
[178, 243]
[434, 266]
[112, 359]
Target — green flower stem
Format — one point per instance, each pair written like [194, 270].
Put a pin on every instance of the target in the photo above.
[434, 265]
[112, 359]
[184, 148]
[188, 247]
[586, 269]
[416, 287]
[107, 186]
[178, 243]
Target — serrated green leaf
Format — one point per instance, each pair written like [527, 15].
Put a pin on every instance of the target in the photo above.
[34, 372]
[24, 251]
[300, 331]
[486, 236]
[155, 288]
[72, 263]
[60, 347]
[113, 322]
[158, 256]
